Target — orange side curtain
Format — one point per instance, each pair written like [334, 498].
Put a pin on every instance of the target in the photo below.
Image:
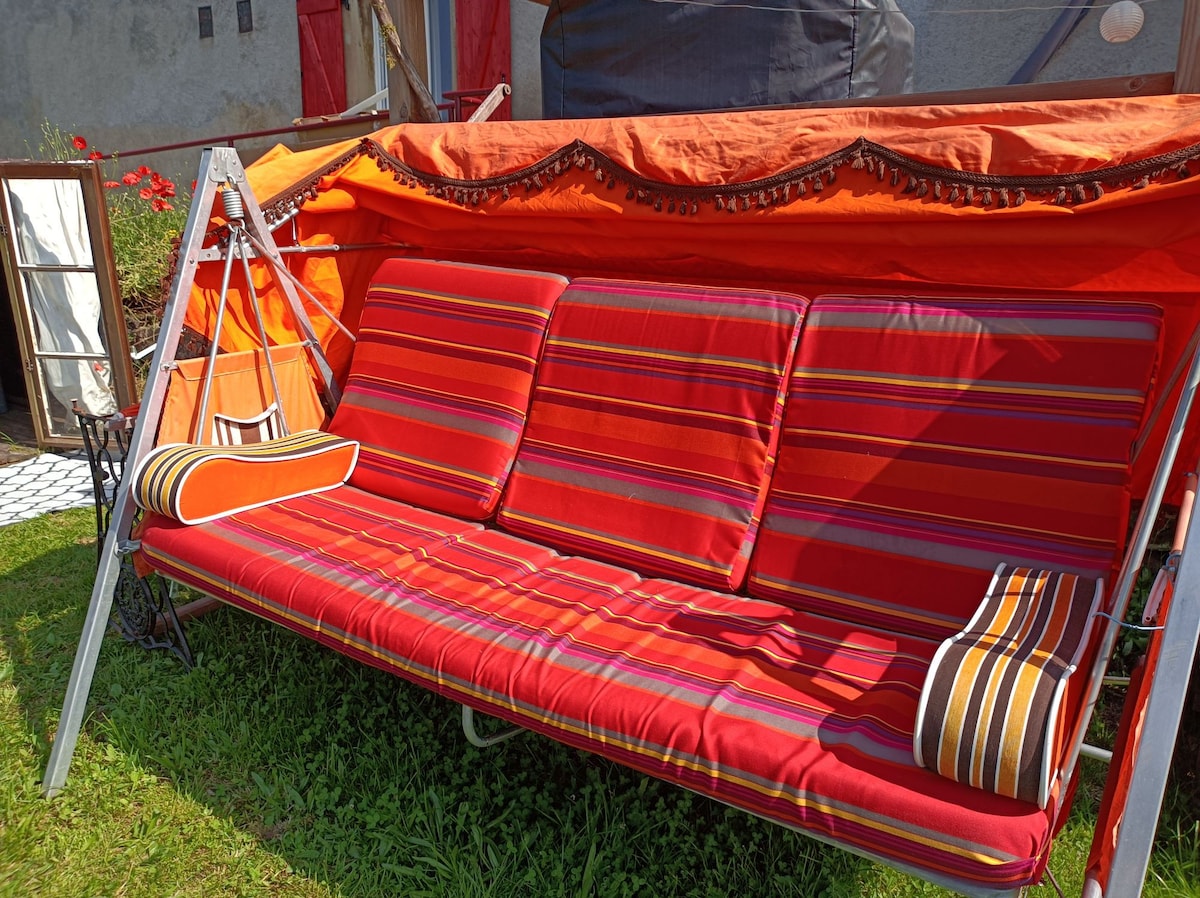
[241, 391]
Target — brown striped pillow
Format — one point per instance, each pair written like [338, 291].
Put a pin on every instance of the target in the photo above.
[194, 484]
[230, 431]
[991, 710]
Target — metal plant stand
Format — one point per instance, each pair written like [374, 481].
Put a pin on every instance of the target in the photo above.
[143, 610]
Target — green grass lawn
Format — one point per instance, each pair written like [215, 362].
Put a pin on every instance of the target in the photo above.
[276, 767]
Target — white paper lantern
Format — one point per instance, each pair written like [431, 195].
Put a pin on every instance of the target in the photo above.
[1121, 21]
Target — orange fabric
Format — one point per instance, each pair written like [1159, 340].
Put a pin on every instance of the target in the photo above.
[241, 389]
[859, 233]
[193, 484]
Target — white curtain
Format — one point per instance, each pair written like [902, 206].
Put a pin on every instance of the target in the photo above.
[52, 230]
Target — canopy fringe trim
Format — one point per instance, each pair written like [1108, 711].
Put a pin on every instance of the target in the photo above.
[902, 173]
[288, 200]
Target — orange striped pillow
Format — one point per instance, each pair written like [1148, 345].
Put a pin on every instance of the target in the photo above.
[193, 484]
[991, 712]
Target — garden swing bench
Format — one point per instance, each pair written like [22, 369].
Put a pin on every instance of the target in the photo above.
[792, 463]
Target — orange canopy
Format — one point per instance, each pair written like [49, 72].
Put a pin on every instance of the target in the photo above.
[1089, 197]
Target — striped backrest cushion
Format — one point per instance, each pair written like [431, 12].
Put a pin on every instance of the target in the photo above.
[991, 712]
[440, 380]
[653, 426]
[927, 440]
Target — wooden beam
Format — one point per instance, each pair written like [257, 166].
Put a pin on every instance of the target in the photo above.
[1094, 88]
[1187, 65]
[490, 102]
[409, 19]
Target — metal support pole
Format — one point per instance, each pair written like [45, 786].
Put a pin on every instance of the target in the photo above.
[256, 306]
[210, 369]
[277, 261]
[100, 607]
[220, 168]
[1136, 552]
[1164, 707]
[260, 235]
[1096, 753]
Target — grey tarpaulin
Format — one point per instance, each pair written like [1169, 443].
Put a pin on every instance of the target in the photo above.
[629, 57]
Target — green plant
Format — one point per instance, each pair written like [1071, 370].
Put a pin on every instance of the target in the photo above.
[144, 223]
[146, 215]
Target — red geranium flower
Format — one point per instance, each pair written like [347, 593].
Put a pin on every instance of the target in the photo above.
[160, 205]
[143, 170]
[95, 154]
[145, 193]
[111, 184]
[80, 143]
[130, 178]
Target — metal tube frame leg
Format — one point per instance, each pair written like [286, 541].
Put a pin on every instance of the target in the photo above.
[468, 724]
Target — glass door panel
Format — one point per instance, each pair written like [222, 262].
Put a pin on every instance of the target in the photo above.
[53, 227]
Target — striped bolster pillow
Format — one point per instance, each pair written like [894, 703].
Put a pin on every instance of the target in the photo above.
[193, 484]
[991, 710]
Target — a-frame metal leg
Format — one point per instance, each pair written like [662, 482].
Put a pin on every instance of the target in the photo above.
[220, 168]
[1164, 707]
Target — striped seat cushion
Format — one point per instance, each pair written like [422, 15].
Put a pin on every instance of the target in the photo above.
[653, 426]
[992, 709]
[803, 719]
[440, 379]
[198, 483]
[927, 440]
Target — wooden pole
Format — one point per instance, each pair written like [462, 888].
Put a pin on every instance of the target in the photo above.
[1187, 65]
[426, 109]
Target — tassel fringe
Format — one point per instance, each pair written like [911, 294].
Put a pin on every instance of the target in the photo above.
[911, 178]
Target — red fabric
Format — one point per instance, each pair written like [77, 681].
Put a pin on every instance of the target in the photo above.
[440, 382]
[927, 440]
[484, 49]
[322, 57]
[803, 719]
[653, 426]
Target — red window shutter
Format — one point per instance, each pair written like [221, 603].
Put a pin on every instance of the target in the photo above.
[322, 59]
[484, 47]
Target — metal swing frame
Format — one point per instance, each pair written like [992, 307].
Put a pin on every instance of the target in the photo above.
[221, 171]
[250, 235]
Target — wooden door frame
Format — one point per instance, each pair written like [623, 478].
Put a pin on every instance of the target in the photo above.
[116, 337]
[1187, 61]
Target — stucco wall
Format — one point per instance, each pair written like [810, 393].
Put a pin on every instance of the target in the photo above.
[135, 73]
